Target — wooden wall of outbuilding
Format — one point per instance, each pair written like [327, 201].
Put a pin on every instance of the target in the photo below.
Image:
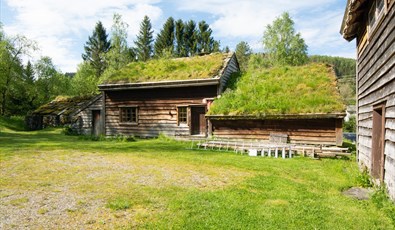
[82, 121]
[308, 131]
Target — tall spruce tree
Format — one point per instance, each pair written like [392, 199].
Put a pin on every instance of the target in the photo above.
[144, 40]
[164, 42]
[282, 44]
[180, 36]
[205, 40]
[95, 49]
[190, 38]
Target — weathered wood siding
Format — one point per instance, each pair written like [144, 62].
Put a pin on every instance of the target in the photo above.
[86, 116]
[309, 131]
[376, 84]
[232, 66]
[157, 109]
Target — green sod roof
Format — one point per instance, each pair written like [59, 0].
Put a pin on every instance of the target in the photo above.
[309, 89]
[190, 68]
[63, 105]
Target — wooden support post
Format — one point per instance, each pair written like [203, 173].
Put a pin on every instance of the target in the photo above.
[283, 153]
[290, 151]
[269, 152]
[263, 152]
[276, 153]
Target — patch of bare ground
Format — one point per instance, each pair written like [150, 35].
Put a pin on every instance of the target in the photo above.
[69, 190]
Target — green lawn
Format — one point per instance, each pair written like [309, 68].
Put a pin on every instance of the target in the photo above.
[49, 180]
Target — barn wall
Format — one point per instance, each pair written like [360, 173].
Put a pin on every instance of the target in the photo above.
[376, 84]
[313, 131]
[157, 109]
[85, 127]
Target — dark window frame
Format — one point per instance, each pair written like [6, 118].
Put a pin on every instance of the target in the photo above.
[182, 115]
[128, 115]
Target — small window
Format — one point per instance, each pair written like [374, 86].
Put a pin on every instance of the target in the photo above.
[182, 115]
[129, 114]
[375, 14]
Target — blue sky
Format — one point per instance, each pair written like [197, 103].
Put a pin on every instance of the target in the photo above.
[61, 27]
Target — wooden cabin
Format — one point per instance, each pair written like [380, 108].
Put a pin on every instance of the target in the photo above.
[78, 112]
[296, 104]
[169, 96]
[372, 24]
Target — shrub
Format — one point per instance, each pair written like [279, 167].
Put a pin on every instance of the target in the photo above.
[381, 200]
[363, 179]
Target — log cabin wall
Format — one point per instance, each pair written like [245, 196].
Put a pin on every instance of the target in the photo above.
[307, 131]
[157, 109]
[85, 116]
[375, 95]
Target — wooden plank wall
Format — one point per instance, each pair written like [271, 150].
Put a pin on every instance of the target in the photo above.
[376, 84]
[308, 131]
[157, 109]
[86, 116]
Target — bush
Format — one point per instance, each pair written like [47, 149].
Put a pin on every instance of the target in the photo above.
[350, 126]
[69, 131]
[363, 179]
[381, 200]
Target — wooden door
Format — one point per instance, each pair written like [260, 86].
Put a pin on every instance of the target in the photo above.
[198, 120]
[378, 142]
[96, 124]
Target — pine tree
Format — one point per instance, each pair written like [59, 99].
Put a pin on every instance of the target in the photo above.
[95, 49]
[180, 36]
[164, 42]
[144, 40]
[205, 40]
[190, 38]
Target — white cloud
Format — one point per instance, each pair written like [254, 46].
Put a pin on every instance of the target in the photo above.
[62, 27]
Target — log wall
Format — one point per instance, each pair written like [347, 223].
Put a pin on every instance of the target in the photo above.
[157, 109]
[376, 84]
[308, 131]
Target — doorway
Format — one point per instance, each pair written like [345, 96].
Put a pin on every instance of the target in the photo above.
[96, 124]
[198, 120]
[378, 133]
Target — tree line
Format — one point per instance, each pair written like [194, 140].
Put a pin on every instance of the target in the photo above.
[25, 87]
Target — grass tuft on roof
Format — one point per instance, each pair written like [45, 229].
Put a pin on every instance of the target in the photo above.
[64, 104]
[190, 68]
[308, 89]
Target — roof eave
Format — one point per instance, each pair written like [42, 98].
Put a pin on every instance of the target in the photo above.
[349, 24]
[160, 84]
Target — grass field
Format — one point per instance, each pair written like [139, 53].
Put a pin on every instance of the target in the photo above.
[49, 180]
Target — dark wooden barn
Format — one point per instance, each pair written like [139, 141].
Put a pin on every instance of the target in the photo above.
[372, 24]
[165, 96]
[296, 104]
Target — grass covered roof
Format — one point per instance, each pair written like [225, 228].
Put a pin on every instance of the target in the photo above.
[308, 89]
[63, 105]
[189, 68]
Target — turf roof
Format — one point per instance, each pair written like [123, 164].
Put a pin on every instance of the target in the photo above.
[190, 68]
[309, 89]
[63, 105]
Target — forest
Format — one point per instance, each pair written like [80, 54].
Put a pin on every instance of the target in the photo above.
[26, 85]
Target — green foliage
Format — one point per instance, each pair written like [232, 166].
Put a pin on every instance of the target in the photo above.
[14, 123]
[345, 71]
[381, 200]
[119, 203]
[243, 53]
[190, 38]
[198, 67]
[119, 54]
[95, 49]
[350, 125]
[282, 90]
[69, 131]
[181, 50]
[144, 40]
[282, 45]
[363, 179]
[165, 38]
[85, 81]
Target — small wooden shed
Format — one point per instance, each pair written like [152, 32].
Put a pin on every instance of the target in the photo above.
[372, 25]
[78, 112]
[299, 103]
